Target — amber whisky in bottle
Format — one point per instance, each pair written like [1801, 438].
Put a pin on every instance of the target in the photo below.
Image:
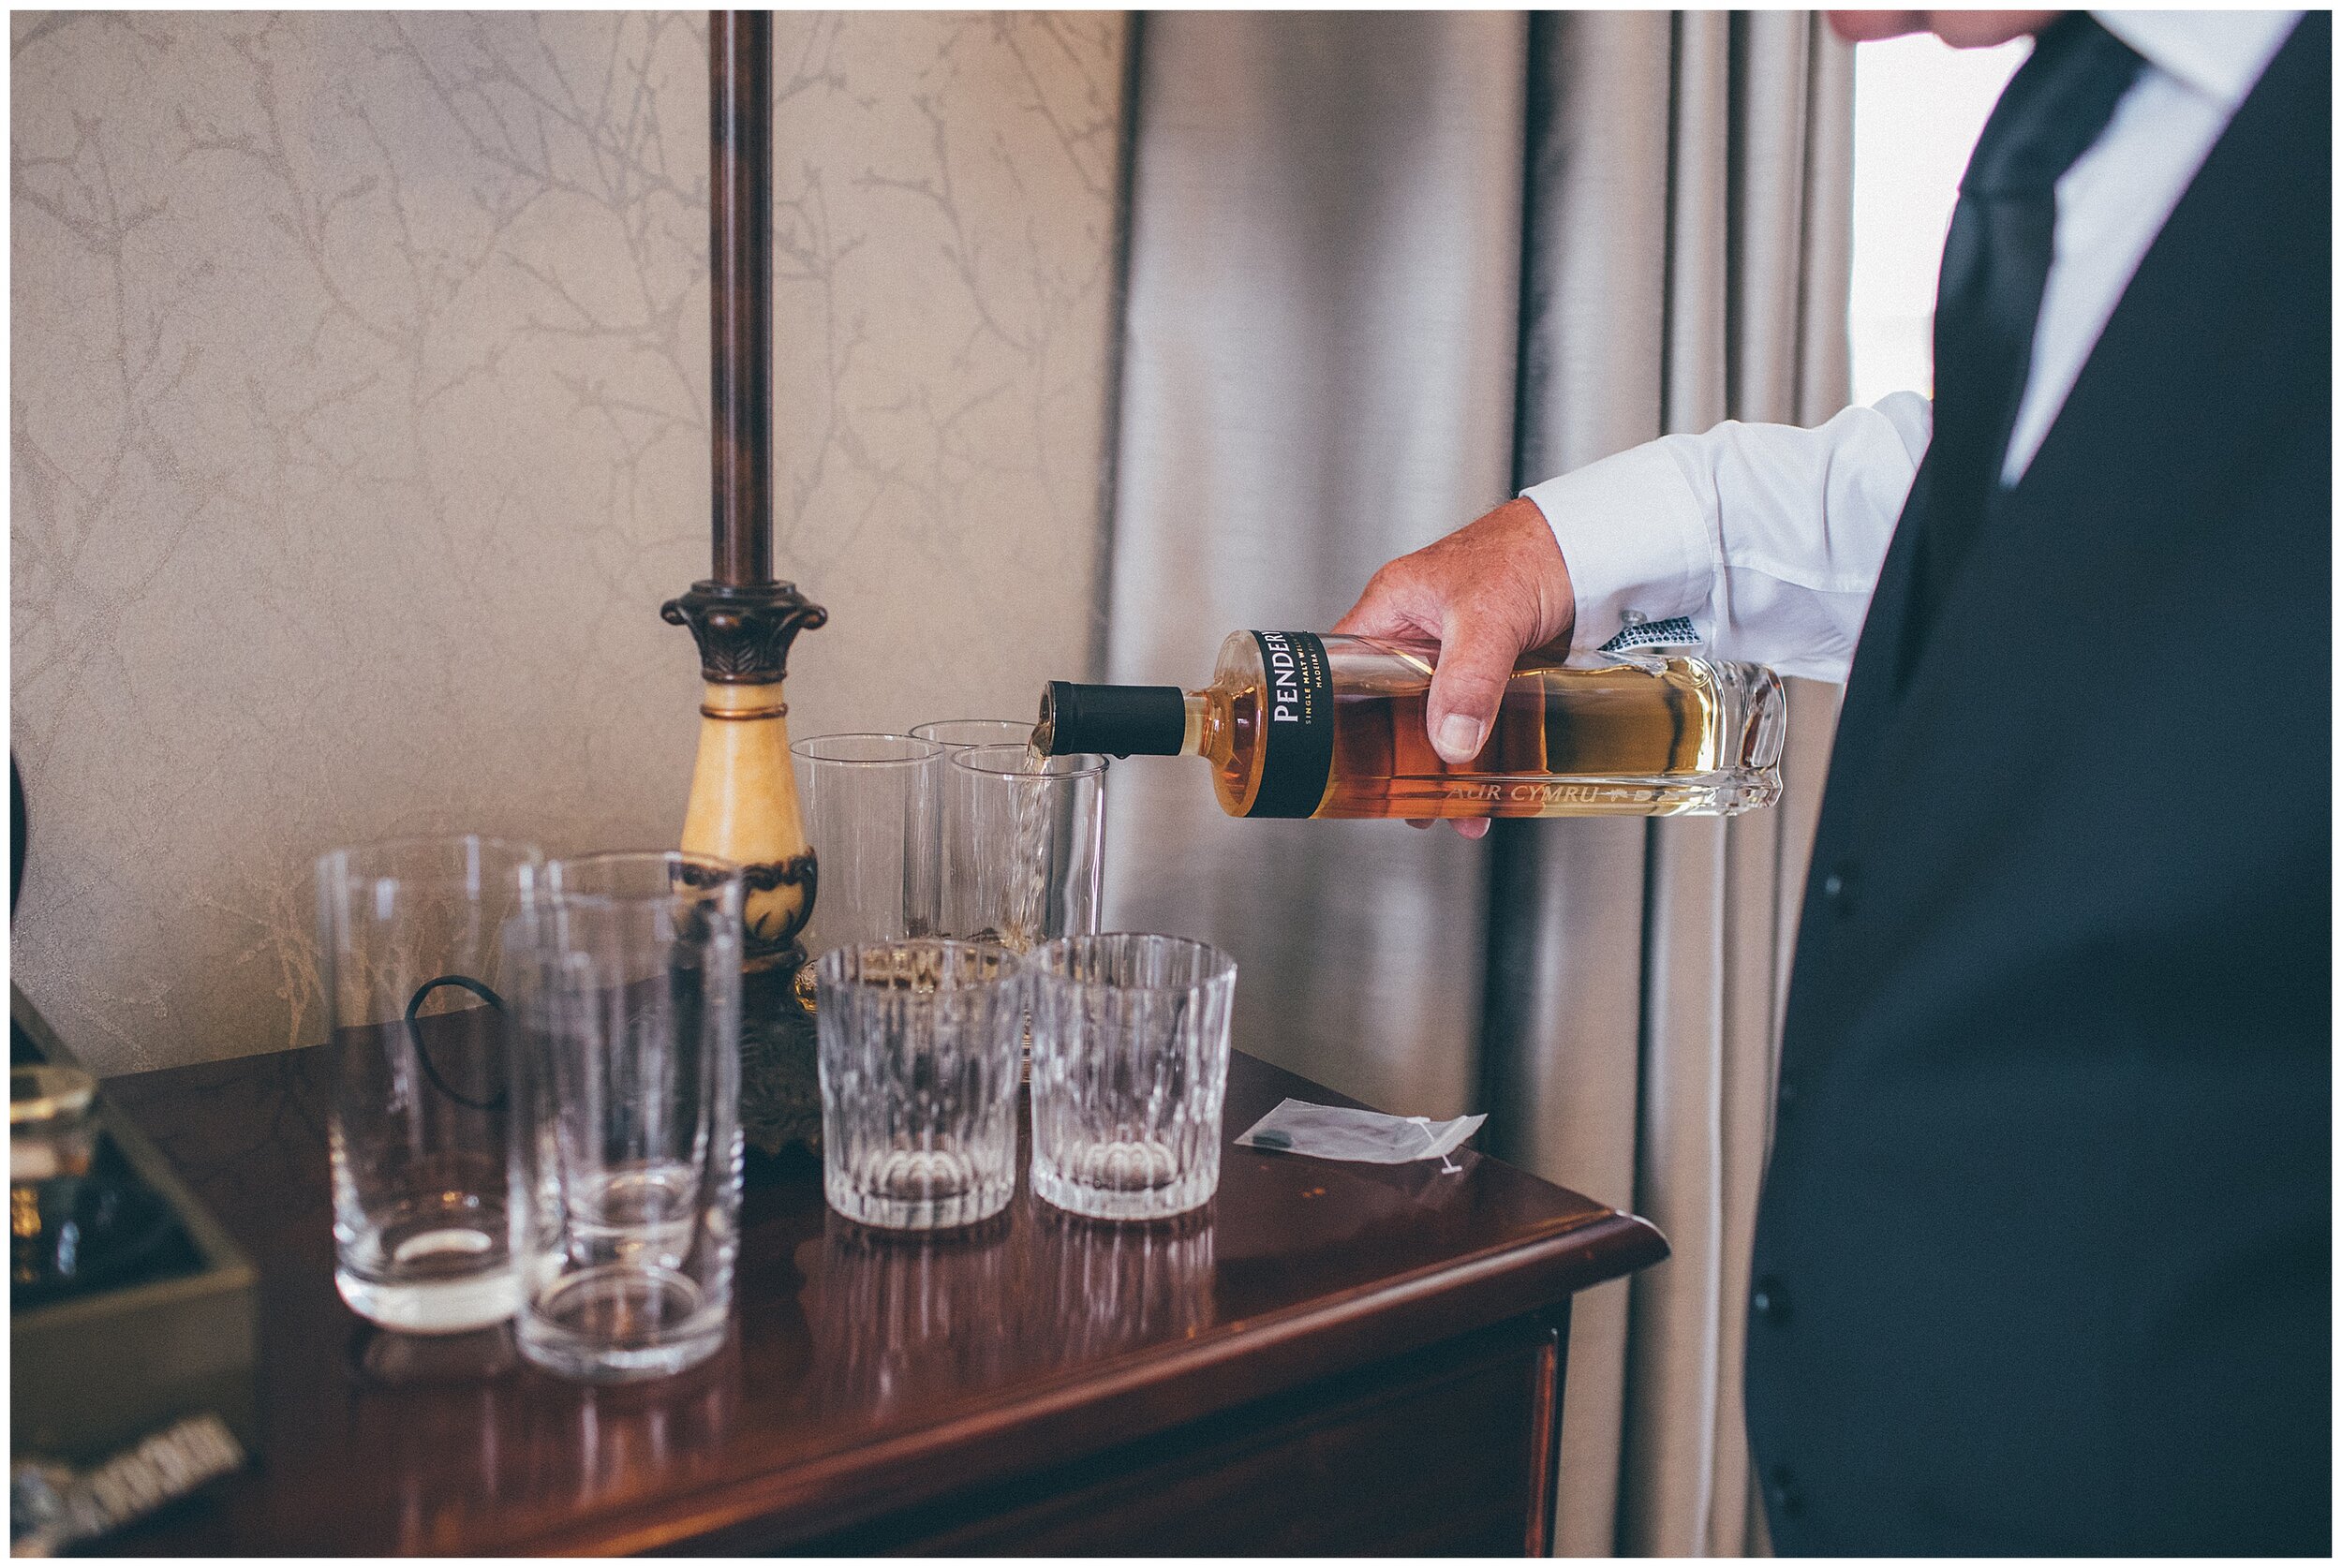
[1295, 724]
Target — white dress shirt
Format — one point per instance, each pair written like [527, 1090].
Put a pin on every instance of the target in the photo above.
[1769, 538]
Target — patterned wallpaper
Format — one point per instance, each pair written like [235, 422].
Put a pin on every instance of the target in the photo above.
[360, 420]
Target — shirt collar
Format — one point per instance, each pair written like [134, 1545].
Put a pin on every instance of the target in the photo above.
[2219, 55]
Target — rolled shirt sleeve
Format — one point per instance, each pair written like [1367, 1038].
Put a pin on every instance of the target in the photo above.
[1768, 538]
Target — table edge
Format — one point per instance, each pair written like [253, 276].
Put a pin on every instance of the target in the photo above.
[1544, 1271]
[1148, 1391]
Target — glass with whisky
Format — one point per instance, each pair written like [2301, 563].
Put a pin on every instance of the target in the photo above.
[955, 734]
[53, 1138]
[1021, 844]
[1295, 724]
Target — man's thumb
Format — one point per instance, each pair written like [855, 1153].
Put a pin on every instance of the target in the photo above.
[1467, 689]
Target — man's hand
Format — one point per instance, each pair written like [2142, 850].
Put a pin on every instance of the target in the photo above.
[1485, 593]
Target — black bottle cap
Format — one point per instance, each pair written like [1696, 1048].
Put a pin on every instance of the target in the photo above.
[1116, 720]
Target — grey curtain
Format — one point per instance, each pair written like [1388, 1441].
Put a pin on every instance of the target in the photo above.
[1322, 336]
[1383, 270]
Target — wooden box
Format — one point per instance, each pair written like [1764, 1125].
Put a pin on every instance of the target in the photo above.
[90, 1376]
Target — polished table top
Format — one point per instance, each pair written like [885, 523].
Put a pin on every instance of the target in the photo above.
[866, 1370]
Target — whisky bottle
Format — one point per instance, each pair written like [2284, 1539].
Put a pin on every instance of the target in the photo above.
[1300, 725]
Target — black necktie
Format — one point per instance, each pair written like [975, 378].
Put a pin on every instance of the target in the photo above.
[1995, 261]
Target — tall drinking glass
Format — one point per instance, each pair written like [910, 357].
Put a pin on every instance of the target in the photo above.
[1021, 846]
[872, 807]
[1130, 1069]
[955, 734]
[627, 1150]
[410, 941]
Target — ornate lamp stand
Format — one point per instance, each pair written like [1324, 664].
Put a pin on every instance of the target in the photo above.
[744, 792]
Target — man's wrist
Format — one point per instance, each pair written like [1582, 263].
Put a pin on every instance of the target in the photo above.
[1633, 537]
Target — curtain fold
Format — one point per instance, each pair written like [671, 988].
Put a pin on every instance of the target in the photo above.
[1318, 365]
[1750, 285]
[1384, 270]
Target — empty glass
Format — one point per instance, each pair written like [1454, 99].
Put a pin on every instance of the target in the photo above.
[958, 733]
[1021, 846]
[411, 955]
[625, 1077]
[919, 1048]
[1129, 1067]
[872, 804]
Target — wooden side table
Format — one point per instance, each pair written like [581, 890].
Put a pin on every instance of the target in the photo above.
[1332, 1359]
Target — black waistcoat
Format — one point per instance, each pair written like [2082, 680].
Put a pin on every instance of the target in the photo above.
[2043, 1255]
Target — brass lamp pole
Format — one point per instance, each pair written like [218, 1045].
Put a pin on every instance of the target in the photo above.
[743, 793]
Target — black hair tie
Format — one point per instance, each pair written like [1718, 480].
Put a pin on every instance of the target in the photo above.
[422, 1052]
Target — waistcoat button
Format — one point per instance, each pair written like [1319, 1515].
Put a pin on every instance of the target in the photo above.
[1837, 889]
[1781, 1491]
[1770, 1301]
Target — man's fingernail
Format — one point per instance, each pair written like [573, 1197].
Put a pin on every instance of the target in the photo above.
[1460, 737]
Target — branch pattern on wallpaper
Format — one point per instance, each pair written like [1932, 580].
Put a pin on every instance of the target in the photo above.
[361, 432]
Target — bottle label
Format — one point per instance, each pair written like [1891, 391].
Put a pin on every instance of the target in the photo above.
[1298, 735]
